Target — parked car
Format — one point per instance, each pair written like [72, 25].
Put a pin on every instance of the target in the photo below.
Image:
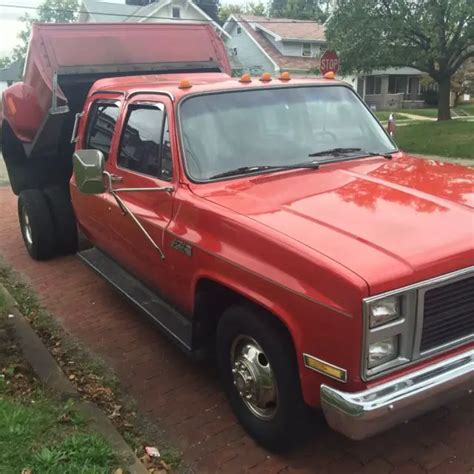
[271, 220]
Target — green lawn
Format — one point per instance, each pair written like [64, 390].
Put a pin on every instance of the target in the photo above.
[431, 113]
[383, 115]
[454, 138]
[40, 436]
[466, 108]
[39, 433]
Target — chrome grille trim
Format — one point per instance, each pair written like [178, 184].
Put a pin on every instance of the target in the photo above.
[418, 352]
[416, 295]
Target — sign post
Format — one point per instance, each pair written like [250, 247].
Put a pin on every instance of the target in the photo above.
[329, 62]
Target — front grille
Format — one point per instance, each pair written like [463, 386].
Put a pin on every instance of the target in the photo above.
[448, 314]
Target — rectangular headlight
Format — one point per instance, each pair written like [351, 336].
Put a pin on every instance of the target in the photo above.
[384, 311]
[383, 351]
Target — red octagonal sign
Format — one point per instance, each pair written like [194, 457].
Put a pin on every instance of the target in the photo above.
[329, 62]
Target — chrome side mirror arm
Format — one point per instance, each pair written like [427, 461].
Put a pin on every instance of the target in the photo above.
[125, 209]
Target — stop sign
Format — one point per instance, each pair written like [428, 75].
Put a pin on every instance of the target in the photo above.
[329, 62]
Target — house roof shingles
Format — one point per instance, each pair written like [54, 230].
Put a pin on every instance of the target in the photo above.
[289, 29]
[293, 28]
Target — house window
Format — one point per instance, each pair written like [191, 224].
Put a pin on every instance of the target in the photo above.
[397, 84]
[239, 30]
[373, 85]
[306, 49]
[234, 51]
[176, 12]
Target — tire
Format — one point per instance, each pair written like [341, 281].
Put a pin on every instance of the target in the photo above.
[64, 220]
[281, 419]
[36, 224]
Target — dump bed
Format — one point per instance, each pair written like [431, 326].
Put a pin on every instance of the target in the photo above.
[64, 60]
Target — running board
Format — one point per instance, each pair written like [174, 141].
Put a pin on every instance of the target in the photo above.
[174, 324]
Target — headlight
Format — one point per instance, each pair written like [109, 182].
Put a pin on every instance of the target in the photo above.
[389, 326]
[384, 311]
[382, 351]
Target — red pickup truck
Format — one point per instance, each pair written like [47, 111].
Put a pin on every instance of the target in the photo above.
[271, 220]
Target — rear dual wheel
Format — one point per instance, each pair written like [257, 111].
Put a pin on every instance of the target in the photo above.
[47, 222]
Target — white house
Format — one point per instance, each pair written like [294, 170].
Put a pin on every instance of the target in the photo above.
[162, 10]
[259, 44]
[9, 75]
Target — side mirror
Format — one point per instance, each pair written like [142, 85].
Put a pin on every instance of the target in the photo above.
[88, 168]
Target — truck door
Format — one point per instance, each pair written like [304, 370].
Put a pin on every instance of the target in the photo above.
[141, 165]
[97, 132]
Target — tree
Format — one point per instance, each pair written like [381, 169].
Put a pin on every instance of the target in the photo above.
[434, 36]
[210, 7]
[251, 8]
[50, 11]
[4, 62]
[463, 81]
[317, 10]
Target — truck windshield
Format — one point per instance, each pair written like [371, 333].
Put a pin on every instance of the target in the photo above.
[259, 130]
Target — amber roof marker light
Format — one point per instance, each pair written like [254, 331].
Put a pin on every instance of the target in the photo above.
[245, 78]
[266, 77]
[184, 84]
[330, 75]
[285, 76]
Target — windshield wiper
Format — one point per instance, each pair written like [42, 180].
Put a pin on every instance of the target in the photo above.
[252, 169]
[343, 151]
[335, 151]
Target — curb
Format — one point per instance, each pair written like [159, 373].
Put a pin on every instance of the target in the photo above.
[50, 374]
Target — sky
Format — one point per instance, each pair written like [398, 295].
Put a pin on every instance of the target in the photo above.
[10, 26]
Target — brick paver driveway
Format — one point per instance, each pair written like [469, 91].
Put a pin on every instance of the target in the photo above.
[184, 398]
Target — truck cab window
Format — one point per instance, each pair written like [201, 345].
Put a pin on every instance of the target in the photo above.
[100, 129]
[145, 145]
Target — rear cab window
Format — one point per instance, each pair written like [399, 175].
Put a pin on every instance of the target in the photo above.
[101, 125]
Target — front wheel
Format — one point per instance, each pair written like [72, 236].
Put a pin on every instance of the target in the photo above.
[258, 368]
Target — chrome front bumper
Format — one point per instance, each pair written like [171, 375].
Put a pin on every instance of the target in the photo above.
[362, 414]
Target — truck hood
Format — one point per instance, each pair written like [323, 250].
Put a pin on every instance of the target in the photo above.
[391, 222]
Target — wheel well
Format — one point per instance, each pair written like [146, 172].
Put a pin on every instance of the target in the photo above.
[211, 300]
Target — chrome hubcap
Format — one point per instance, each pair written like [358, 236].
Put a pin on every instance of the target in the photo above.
[27, 228]
[254, 378]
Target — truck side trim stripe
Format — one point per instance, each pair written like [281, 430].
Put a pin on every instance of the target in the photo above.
[332, 308]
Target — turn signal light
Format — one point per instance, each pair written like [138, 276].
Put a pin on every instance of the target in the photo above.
[285, 76]
[245, 78]
[330, 75]
[184, 84]
[266, 77]
[325, 368]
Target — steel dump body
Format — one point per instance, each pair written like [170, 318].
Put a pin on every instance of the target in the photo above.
[64, 60]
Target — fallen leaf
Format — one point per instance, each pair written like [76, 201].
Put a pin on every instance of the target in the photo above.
[72, 377]
[118, 471]
[152, 451]
[26, 471]
[116, 411]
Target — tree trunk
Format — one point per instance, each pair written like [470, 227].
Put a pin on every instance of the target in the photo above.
[444, 111]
